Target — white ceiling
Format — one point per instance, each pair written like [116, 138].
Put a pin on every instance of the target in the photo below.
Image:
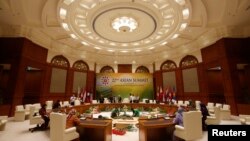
[153, 41]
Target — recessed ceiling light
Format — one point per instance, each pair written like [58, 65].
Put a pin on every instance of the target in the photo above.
[138, 50]
[124, 51]
[110, 50]
[84, 43]
[175, 36]
[63, 13]
[151, 48]
[181, 2]
[68, 2]
[73, 36]
[97, 48]
[164, 43]
[185, 13]
[65, 26]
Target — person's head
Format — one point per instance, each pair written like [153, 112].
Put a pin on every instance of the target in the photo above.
[72, 112]
[180, 110]
[44, 105]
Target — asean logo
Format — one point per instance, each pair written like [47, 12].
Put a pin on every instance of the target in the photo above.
[105, 80]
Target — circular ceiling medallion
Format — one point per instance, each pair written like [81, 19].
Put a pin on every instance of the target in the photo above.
[153, 22]
[145, 28]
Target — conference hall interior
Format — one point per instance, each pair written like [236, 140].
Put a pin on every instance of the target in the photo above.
[124, 68]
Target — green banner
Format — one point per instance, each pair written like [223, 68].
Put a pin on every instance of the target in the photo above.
[122, 84]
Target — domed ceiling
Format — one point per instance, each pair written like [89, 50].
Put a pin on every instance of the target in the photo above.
[124, 31]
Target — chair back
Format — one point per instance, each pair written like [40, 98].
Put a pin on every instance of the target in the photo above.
[217, 113]
[192, 124]
[218, 105]
[19, 108]
[77, 102]
[49, 104]
[57, 126]
[34, 119]
[225, 107]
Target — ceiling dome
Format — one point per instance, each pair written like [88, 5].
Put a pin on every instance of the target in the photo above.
[91, 22]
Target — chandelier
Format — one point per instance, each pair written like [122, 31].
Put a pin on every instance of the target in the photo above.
[124, 24]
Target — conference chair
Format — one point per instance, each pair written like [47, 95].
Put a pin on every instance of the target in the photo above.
[225, 112]
[94, 101]
[65, 104]
[77, 102]
[49, 104]
[218, 105]
[192, 126]
[27, 110]
[19, 114]
[37, 107]
[210, 107]
[197, 105]
[35, 119]
[58, 131]
[180, 103]
[3, 122]
[214, 119]
[244, 119]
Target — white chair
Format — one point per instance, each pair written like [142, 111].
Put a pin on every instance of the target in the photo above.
[3, 122]
[58, 131]
[49, 104]
[37, 106]
[94, 101]
[35, 119]
[192, 126]
[180, 103]
[218, 105]
[225, 112]
[27, 110]
[144, 100]
[77, 102]
[65, 104]
[125, 100]
[210, 107]
[19, 113]
[214, 119]
[244, 119]
[186, 103]
[197, 105]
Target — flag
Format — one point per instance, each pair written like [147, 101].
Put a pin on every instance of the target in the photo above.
[83, 95]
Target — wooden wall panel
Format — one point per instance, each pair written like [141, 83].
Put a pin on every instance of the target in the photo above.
[124, 68]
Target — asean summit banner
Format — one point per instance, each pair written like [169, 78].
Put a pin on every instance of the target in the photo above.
[122, 84]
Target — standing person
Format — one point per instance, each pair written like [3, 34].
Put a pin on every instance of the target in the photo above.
[101, 99]
[119, 99]
[131, 98]
[74, 121]
[45, 115]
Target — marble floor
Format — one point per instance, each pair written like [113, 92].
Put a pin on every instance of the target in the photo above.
[20, 131]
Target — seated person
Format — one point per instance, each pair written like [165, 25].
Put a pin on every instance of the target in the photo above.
[205, 113]
[101, 100]
[74, 121]
[45, 115]
[136, 112]
[179, 117]
[56, 106]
